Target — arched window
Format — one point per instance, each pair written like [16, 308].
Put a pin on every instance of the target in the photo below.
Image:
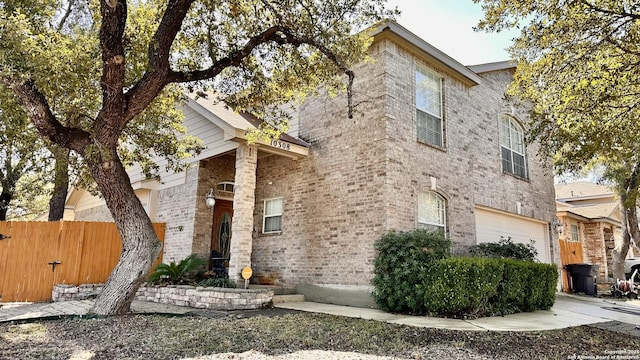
[512, 147]
[432, 211]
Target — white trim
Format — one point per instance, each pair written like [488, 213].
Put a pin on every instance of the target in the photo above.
[265, 216]
[481, 207]
[425, 71]
[461, 71]
[443, 210]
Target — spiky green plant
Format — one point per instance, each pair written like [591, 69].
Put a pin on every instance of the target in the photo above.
[187, 271]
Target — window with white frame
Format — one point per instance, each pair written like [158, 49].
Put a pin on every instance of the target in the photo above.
[512, 147]
[432, 211]
[429, 122]
[575, 235]
[272, 222]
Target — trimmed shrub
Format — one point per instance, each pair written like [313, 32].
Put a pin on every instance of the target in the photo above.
[462, 287]
[476, 287]
[505, 248]
[403, 262]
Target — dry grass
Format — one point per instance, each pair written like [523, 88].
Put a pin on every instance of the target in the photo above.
[276, 333]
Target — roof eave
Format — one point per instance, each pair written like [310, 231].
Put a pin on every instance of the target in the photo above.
[389, 28]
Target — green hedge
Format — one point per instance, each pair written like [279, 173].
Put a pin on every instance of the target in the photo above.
[402, 263]
[414, 274]
[505, 248]
[476, 287]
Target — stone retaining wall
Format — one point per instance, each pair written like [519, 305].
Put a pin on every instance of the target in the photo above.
[181, 295]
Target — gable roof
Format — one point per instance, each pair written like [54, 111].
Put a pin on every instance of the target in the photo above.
[392, 30]
[236, 125]
[591, 212]
[582, 190]
[493, 66]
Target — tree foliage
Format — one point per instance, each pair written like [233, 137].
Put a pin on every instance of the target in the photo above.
[577, 65]
[101, 79]
[21, 154]
[577, 68]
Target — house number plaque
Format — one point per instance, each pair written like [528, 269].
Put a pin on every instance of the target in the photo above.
[281, 145]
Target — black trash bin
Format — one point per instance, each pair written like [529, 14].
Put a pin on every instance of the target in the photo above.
[583, 278]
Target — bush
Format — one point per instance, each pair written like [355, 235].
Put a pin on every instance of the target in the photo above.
[404, 259]
[476, 287]
[460, 287]
[507, 249]
[223, 282]
[188, 271]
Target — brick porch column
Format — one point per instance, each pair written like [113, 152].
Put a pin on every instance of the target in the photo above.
[244, 200]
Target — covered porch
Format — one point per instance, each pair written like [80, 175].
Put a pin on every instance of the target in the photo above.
[224, 222]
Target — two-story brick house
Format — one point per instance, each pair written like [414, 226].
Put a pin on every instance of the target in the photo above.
[432, 144]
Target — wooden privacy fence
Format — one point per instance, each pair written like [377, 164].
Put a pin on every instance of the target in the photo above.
[35, 256]
[570, 253]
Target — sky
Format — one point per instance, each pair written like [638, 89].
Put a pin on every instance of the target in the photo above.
[448, 25]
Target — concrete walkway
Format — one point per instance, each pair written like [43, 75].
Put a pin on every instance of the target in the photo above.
[568, 311]
[27, 311]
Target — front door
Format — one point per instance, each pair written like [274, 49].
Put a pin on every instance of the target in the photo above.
[221, 232]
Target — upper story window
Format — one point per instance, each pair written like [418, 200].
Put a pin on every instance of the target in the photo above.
[429, 107]
[512, 147]
[273, 209]
[432, 211]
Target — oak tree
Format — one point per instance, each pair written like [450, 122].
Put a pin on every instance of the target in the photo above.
[120, 57]
[577, 64]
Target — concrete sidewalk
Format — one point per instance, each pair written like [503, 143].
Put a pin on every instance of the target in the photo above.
[568, 311]
[28, 311]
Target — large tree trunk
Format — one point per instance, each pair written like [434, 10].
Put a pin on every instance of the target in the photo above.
[5, 199]
[619, 253]
[628, 195]
[140, 245]
[61, 183]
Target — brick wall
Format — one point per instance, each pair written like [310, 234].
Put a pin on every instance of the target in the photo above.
[363, 174]
[593, 247]
[180, 295]
[469, 172]
[212, 171]
[333, 204]
[177, 208]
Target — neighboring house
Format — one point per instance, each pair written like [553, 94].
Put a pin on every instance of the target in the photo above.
[433, 144]
[590, 214]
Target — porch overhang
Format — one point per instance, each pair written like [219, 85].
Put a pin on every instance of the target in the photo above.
[236, 127]
[571, 215]
[282, 147]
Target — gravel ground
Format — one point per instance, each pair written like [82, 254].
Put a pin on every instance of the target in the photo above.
[436, 352]
[286, 335]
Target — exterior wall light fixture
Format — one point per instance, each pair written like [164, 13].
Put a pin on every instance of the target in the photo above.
[559, 226]
[209, 199]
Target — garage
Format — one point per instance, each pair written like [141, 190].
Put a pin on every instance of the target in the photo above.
[492, 224]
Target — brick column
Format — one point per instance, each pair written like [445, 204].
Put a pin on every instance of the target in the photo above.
[243, 204]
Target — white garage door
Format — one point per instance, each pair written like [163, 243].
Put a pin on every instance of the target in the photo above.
[491, 225]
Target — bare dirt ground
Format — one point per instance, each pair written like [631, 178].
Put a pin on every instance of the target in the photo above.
[286, 335]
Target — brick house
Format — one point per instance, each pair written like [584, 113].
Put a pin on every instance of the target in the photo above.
[432, 144]
[590, 214]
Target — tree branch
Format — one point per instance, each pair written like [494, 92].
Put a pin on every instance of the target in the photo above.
[609, 12]
[158, 73]
[39, 112]
[67, 12]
